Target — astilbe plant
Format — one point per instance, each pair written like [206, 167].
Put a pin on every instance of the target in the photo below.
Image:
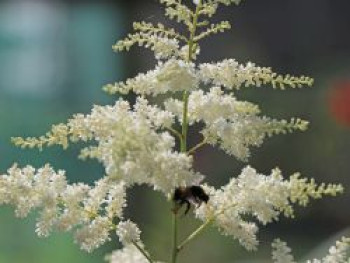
[137, 145]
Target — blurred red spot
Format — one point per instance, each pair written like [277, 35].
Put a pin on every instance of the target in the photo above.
[339, 102]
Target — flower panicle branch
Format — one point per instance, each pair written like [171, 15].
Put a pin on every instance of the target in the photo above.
[233, 76]
[263, 197]
[213, 29]
[62, 206]
[338, 253]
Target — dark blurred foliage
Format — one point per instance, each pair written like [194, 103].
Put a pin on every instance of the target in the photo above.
[55, 56]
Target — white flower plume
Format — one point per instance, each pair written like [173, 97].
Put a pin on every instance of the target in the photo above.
[130, 144]
[232, 75]
[128, 254]
[89, 210]
[234, 125]
[170, 76]
[281, 253]
[94, 234]
[263, 197]
[339, 253]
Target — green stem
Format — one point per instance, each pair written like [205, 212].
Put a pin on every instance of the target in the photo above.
[195, 233]
[202, 227]
[143, 252]
[183, 139]
[186, 93]
[175, 132]
[184, 122]
[174, 252]
[196, 147]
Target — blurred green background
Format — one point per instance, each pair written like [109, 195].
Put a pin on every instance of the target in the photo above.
[56, 55]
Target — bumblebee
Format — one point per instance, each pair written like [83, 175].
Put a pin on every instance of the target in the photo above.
[189, 195]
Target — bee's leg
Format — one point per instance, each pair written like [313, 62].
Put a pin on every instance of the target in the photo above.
[188, 206]
[199, 203]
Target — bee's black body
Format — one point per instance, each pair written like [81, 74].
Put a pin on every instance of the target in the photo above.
[191, 194]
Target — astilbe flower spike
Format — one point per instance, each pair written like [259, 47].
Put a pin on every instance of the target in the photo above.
[137, 144]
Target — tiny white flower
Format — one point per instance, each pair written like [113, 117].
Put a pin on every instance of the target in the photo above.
[46, 221]
[94, 234]
[115, 200]
[281, 253]
[128, 254]
[128, 232]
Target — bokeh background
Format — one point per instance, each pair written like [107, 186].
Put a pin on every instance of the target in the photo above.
[56, 55]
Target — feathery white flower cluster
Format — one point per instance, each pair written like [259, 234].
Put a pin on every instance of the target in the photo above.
[281, 253]
[162, 41]
[170, 76]
[95, 234]
[164, 47]
[176, 75]
[232, 75]
[226, 2]
[211, 106]
[234, 125]
[339, 253]
[128, 232]
[128, 254]
[263, 197]
[129, 145]
[62, 206]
